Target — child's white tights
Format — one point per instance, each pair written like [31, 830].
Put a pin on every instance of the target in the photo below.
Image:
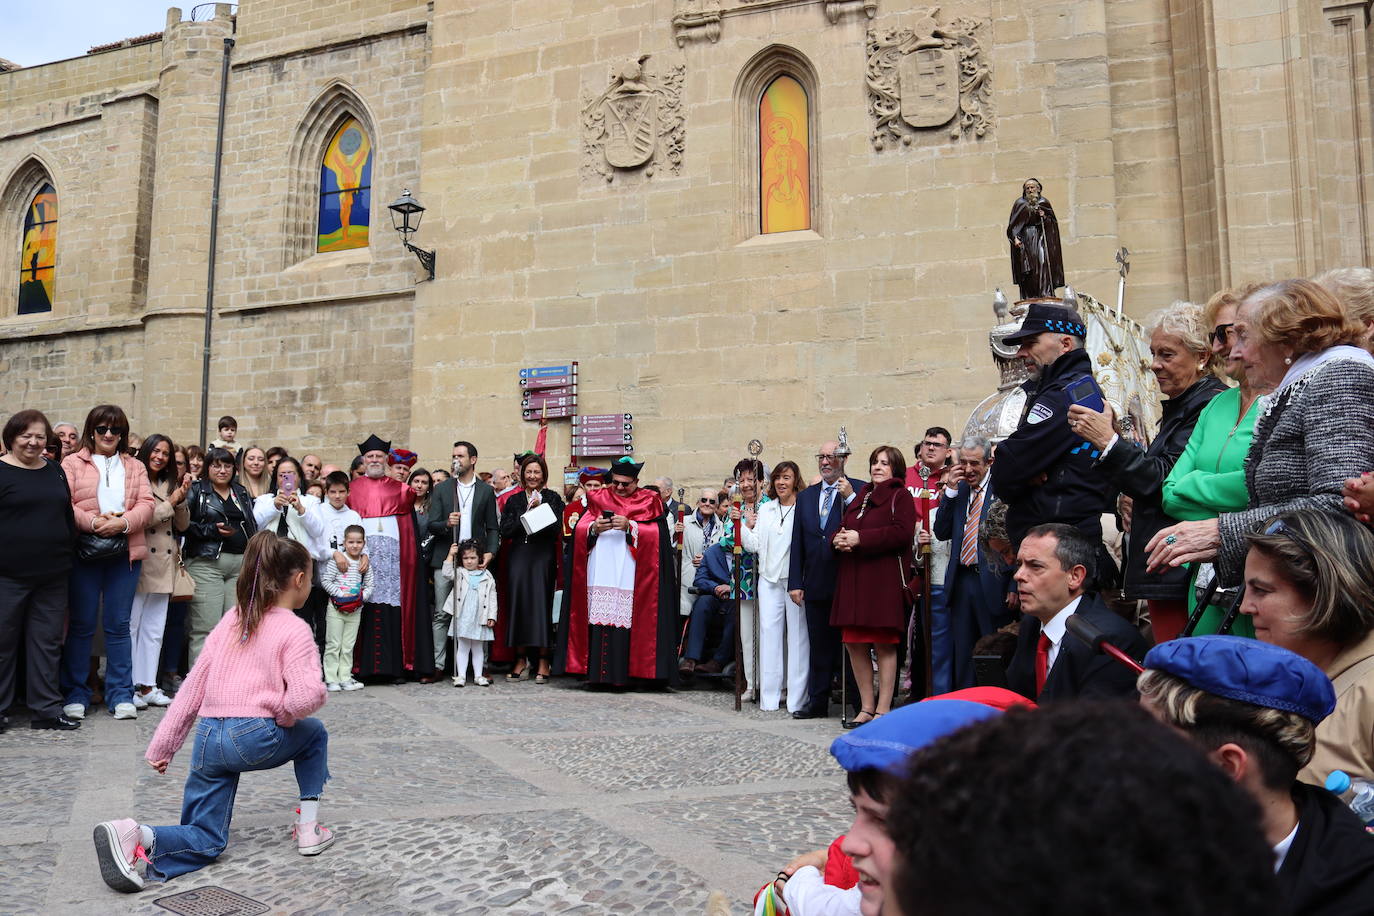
[477, 648]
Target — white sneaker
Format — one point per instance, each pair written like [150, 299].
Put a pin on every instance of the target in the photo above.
[118, 849]
[156, 697]
[483, 682]
[351, 684]
[74, 711]
[125, 711]
[140, 701]
[332, 687]
[312, 838]
[458, 681]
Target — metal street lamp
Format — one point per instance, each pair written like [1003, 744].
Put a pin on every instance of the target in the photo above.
[406, 213]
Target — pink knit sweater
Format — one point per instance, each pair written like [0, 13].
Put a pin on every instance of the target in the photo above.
[276, 673]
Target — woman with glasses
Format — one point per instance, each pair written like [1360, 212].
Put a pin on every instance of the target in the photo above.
[1183, 363]
[1315, 430]
[222, 521]
[1209, 477]
[113, 505]
[1309, 587]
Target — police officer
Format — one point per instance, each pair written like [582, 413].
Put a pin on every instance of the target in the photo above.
[1044, 471]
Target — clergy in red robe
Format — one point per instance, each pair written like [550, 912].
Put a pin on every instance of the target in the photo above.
[393, 638]
[622, 616]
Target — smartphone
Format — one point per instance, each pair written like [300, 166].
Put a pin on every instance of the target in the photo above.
[607, 514]
[288, 482]
[1085, 391]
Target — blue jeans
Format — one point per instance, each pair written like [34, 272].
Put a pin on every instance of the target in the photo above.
[704, 610]
[225, 748]
[104, 591]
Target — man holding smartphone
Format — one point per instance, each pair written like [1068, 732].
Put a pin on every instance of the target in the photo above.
[1044, 471]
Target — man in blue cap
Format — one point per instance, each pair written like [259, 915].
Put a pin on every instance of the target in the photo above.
[1254, 707]
[874, 756]
[1044, 471]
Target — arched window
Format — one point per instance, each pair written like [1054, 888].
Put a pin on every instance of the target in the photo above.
[345, 189]
[38, 253]
[784, 157]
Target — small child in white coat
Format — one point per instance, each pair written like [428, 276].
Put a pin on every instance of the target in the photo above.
[347, 591]
[473, 607]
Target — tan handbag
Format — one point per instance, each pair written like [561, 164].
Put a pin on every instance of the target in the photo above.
[183, 586]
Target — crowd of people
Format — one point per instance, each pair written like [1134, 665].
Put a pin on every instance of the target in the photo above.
[1234, 540]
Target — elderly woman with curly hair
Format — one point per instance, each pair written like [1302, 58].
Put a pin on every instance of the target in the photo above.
[1183, 364]
[1315, 431]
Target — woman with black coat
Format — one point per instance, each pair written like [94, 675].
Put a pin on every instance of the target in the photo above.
[221, 524]
[1183, 365]
[533, 569]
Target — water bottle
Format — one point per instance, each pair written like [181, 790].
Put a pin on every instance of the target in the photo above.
[1357, 793]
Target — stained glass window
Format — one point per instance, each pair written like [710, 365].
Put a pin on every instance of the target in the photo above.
[784, 158]
[345, 189]
[38, 258]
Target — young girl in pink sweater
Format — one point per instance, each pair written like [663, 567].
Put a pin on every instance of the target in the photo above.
[253, 686]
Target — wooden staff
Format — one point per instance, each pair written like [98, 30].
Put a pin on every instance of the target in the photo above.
[739, 587]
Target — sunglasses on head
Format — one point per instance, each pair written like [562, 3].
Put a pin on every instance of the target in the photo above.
[1219, 333]
[107, 430]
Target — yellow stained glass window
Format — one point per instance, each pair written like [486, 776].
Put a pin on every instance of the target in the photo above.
[345, 189]
[38, 258]
[784, 158]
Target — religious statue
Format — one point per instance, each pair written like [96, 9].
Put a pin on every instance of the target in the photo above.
[1037, 263]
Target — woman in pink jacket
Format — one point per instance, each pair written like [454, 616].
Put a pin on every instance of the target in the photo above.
[113, 505]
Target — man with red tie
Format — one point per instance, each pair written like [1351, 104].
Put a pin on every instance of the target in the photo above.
[1050, 664]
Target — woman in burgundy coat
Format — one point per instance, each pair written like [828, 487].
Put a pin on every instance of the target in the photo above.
[875, 560]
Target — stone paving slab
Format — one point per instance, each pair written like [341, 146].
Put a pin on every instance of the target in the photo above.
[513, 799]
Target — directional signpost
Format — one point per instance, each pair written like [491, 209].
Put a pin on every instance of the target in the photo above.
[548, 392]
[603, 434]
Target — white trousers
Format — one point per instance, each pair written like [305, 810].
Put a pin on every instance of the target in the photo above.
[147, 620]
[477, 649]
[748, 633]
[779, 613]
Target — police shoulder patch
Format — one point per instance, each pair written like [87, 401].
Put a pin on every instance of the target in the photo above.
[1039, 412]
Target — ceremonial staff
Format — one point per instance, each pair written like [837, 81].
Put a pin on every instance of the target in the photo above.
[842, 453]
[679, 534]
[738, 552]
[925, 494]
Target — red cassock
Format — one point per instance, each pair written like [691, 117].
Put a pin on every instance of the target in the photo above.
[647, 648]
[374, 498]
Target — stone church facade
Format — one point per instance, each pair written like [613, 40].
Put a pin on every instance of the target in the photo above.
[743, 218]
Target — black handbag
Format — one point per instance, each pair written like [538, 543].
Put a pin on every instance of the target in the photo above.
[92, 548]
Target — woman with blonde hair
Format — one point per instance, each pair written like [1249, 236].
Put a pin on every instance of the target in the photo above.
[1309, 578]
[1315, 431]
[1354, 287]
[1183, 364]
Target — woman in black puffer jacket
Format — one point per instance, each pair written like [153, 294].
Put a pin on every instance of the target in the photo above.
[221, 524]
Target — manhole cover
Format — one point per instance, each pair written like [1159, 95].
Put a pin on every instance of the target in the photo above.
[211, 901]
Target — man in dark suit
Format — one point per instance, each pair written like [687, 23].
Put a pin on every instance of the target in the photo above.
[1050, 664]
[811, 574]
[975, 591]
[468, 504]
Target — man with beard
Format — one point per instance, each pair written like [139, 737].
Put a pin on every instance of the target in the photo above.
[622, 619]
[393, 638]
[1037, 262]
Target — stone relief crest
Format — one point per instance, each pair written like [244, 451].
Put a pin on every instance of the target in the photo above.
[928, 76]
[635, 123]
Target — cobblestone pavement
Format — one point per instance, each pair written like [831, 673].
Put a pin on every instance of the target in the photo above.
[514, 799]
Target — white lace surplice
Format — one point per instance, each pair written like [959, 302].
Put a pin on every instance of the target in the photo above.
[384, 556]
[610, 581]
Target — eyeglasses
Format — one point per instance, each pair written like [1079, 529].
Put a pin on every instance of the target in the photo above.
[709, 501]
[1220, 332]
[929, 444]
[1277, 526]
[621, 484]
[107, 430]
[824, 457]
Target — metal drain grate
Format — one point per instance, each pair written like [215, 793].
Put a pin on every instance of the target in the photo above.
[211, 901]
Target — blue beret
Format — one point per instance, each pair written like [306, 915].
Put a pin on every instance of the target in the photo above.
[1249, 671]
[886, 742]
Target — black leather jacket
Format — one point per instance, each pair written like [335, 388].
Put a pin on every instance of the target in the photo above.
[203, 540]
[1140, 473]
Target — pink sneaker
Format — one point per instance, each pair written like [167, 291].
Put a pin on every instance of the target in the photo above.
[118, 849]
[312, 838]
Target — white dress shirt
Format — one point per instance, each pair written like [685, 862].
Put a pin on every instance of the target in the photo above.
[1056, 629]
[771, 538]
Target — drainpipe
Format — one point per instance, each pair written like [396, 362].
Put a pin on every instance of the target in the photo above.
[214, 239]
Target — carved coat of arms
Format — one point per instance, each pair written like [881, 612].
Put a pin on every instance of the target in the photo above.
[928, 76]
[635, 123]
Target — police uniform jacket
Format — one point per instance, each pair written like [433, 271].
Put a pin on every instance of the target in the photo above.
[1074, 492]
